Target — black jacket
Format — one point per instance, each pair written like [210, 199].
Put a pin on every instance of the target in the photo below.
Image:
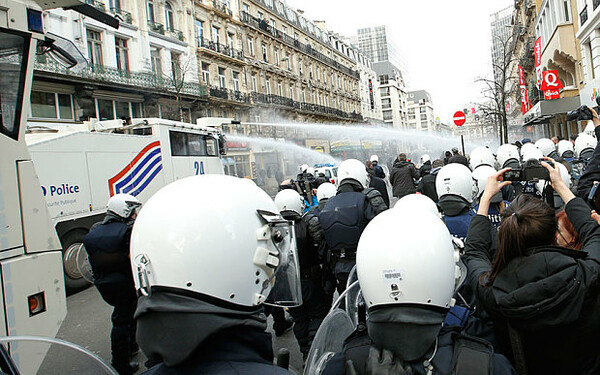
[550, 296]
[379, 185]
[458, 158]
[427, 184]
[592, 171]
[425, 169]
[402, 178]
[237, 350]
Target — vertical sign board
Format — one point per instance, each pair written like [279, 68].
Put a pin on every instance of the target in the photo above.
[525, 103]
[538, 61]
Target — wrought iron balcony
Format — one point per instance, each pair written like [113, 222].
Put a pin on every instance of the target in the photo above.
[174, 33]
[306, 48]
[156, 27]
[115, 76]
[121, 14]
[220, 48]
[583, 16]
[222, 7]
[96, 4]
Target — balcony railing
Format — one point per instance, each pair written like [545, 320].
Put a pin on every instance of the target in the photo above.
[232, 95]
[116, 76]
[156, 27]
[220, 48]
[596, 3]
[222, 7]
[173, 33]
[306, 48]
[583, 16]
[287, 102]
[96, 4]
[122, 15]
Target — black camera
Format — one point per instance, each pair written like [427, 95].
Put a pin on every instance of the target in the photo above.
[594, 196]
[532, 170]
[582, 113]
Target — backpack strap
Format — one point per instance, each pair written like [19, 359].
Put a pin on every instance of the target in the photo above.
[471, 356]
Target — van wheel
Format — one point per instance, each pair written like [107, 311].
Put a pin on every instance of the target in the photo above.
[71, 241]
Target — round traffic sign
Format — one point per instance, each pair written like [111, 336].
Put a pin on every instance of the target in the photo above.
[459, 118]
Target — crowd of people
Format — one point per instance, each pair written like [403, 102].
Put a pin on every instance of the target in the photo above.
[486, 263]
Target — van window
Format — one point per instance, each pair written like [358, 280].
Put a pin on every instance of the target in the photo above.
[190, 144]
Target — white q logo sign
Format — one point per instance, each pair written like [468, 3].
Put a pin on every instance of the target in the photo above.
[551, 79]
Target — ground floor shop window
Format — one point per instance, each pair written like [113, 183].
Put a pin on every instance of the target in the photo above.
[51, 105]
[115, 109]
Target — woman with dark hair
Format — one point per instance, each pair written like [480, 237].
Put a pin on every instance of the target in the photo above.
[543, 299]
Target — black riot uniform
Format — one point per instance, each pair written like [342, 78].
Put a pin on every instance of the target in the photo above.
[342, 221]
[315, 304]
[107, 245]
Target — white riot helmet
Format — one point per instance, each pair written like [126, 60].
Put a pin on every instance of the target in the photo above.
[425, 158]
[546, 146]
[391, 272]
[326, 190]
[480, 175]
[565, 146]
[531, 153]
[353, 169]
[507, 154]
[482, 156]
[374, 158]
[218, 237]
[289, 200]
[416, 203]
[303, 168]
[527, 148]
[455, 179]
[584, 142]
[123, 205]
[311, 170]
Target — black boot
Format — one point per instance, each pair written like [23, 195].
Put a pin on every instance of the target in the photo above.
[126, 368]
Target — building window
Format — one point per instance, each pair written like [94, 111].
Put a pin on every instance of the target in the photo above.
[169, 20]
[423, 117]
[236, 81]
[566, 8]
[222, 77]
[264, 53]
[253, 79]
[422, 110]
[279, 89]
[300, 66]
[206, 73]
[288, 60]
[117, 109]
[122, 54]
[386, 103]
[176, 66]
[276, 56]
[251, 46]
[387, 115]
[199, 32]
[155, 60]
[268, 86]
[385, 91]
[384, 79]
[292, 92]
[215, 35]
[94, 42]
[150, 10]
[230, 41]
[51, 105]
[246, 8]
[284, 30]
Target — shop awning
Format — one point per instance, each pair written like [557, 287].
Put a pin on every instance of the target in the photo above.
[544, 110]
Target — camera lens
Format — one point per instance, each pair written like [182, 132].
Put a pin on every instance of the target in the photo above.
[573, 115]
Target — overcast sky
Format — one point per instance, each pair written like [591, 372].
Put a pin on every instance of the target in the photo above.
[446, 43]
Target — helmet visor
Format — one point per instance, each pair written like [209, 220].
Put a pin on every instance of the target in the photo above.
[285, 282]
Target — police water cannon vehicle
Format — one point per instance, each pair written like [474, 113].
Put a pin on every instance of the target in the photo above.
[81, 166]
[31, 276]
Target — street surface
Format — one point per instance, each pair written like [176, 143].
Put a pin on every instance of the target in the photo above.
[88, 325]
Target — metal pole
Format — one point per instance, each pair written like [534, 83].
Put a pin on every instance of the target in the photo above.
[462, 142]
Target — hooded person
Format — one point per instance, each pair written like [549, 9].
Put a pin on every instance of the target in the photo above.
[455, 189]
[208, 251]
[407, 329]
[403, 177]
[425, 165]
[344, 217]
[457, 157]
[107, 245]
[376, 167]
[315, 304]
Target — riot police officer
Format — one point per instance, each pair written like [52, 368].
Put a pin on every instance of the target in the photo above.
[208, 251]
[107, 245]
[455, 188]
[346, 215]
[315, 304]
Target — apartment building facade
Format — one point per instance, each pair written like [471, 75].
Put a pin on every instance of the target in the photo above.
[393, 95]
[420, 111]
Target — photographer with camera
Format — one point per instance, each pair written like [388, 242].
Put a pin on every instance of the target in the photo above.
[542, 298]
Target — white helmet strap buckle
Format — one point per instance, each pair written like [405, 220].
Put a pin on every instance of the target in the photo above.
[142, 262]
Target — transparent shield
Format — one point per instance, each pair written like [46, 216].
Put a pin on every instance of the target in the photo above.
[286, 290]
[353, 296]
[328, 341]
[83, 264]
[50, 356]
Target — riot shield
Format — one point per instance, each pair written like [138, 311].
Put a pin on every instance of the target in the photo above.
[83, 264]
[353, 297]
[48, 356]
[328, 341]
